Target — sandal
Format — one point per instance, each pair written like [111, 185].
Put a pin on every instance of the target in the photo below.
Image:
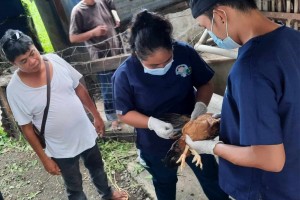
[120, 195]
[116, 126]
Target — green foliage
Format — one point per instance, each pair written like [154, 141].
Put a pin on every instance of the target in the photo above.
[32, 11]
[7, 143]
[138, 168]
[116, 155]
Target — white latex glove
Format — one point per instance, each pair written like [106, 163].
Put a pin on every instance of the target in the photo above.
[203, 146]
[200, 108]
[161, 128]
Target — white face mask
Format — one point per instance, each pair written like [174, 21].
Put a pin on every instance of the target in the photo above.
[158, 71]
[228, 42]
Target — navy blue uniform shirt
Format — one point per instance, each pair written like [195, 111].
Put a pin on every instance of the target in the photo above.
[155, 96]
[262, 107]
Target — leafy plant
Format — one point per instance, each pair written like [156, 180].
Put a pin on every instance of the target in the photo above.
[32, 11]
[138, 168]
[7, 143]
[116, 154]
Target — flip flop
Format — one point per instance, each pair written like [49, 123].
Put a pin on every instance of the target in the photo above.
[116, 126]
[120, 195]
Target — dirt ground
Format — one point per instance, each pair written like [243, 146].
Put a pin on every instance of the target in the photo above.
[23, 177]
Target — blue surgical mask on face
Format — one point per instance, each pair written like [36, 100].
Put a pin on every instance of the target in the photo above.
[228, 42]
[158, 71]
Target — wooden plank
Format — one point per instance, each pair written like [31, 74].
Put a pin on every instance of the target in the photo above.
[258, 3]
[296, 9]
[288, 6]
[273, 6]
[279, 5]
[100, 65]
[265, 5]
[282, 15]
[296, 6]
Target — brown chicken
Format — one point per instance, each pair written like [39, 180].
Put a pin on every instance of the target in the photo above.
[205, 127]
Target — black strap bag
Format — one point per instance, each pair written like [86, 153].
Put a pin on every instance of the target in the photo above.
[40, 134]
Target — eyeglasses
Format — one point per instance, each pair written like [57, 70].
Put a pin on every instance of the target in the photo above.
[14, 37]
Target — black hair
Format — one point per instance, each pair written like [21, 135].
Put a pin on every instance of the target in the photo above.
[149, 31]
[242, 5]
[14, 43]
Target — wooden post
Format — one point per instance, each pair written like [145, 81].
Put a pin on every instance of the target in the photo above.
[13, 127]
[296, 9]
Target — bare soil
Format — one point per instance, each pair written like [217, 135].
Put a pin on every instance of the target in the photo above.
[22, 176]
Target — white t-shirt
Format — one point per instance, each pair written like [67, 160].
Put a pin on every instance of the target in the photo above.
[68, 130]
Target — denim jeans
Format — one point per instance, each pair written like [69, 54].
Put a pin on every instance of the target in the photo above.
[104, 79]
[165, 179]
[73, 179]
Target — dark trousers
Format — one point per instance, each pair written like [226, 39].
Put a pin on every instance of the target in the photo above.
[106, 92]
[165, 179]
[1, 197]
[73, 179]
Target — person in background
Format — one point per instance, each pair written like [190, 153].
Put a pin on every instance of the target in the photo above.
[93, 22]
[157, 79]
[69, 134]
[259, 140]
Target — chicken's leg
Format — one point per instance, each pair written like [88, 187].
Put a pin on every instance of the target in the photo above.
[182, 157]
[196, 158]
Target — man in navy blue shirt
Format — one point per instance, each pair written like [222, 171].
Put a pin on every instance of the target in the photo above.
[259, 152]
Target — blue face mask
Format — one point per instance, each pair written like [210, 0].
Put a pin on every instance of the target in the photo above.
[227, 43]
[158, 71]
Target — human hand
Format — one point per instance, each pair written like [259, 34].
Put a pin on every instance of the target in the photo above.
[161, 128]
[99, 31]
[99, 126]
[200, 108]
[51, 167]
[203, 146]
[117, 24]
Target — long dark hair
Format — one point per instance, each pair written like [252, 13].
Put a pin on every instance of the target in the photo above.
[14, 43]
[149, 31]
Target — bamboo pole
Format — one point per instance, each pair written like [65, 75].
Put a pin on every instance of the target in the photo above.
[273, 6]
[296, 10]
[279, 6]
[288, 6]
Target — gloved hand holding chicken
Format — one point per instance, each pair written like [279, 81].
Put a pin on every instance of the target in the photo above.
[196, 138]
[161, 128]
[203, 146]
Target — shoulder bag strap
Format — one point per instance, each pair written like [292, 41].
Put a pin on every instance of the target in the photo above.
[48, 97]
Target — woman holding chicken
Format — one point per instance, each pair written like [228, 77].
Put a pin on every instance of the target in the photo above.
[159, 78]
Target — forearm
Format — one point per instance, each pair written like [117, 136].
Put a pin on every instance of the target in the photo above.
[265, 157]
[135, 119]
[205, 92]
[86, 100]
[82, 37]
[34, 142]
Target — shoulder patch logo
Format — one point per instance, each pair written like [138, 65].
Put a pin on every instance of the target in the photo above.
[183, 70]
